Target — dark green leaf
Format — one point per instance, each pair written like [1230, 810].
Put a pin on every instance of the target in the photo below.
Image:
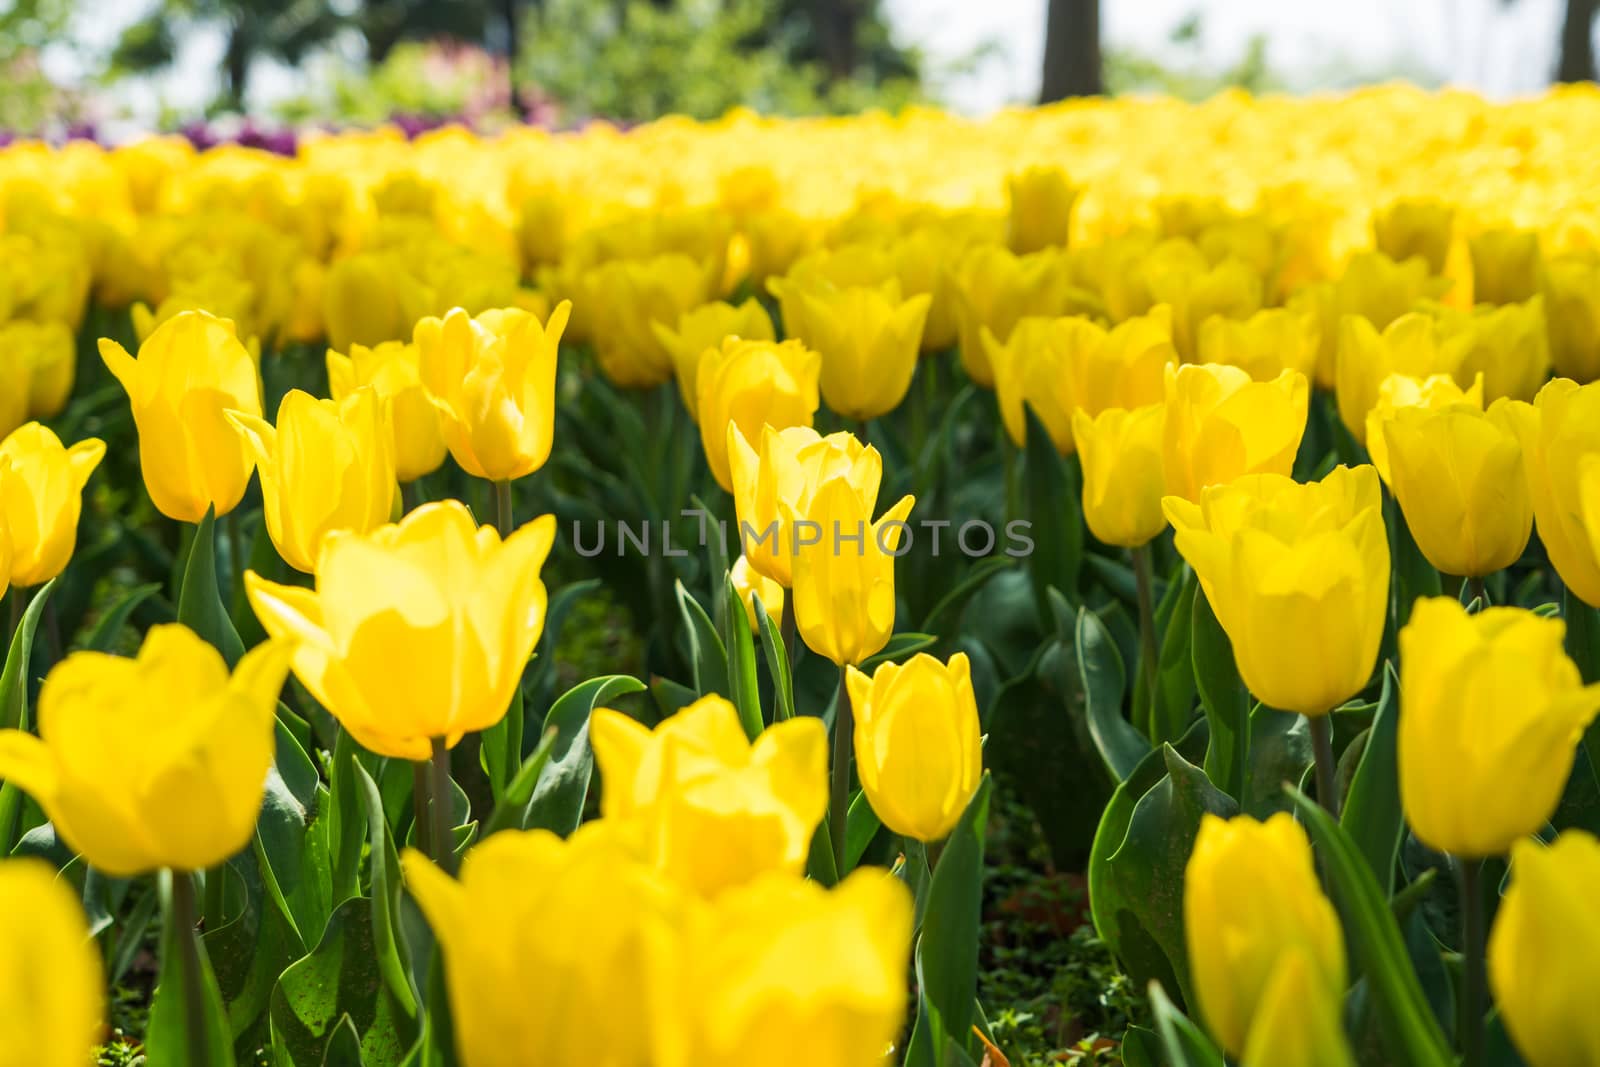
[1185, 1044]
[777, 663]
[108, 630]
[179, 984]
[706, 652]
[741, 660]
[944, 618]
[1055, 512]
[947, 951]
[563, 783]
[861, 826]
[1225, 699]
[200, 604]
[1372, 814]
[1119, 743]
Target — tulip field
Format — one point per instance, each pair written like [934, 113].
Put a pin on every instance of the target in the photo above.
[616, 597]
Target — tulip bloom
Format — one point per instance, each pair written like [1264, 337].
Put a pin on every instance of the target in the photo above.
[493, 379]
[1398, 391]
[993, 290]
[792, 464]
[495, 931]
[707, 326]
[1298, 576]
[715, 809]
[189, 373]
[38, 364]
[417, 630]
[785, 970]
[1457, 475]
[158, 761]
[844, 580]
[1264, 345]
[869, 340]
[917, 743]
[1506, 265]
[1572, 306]
[41, 498]
[1298, 1021]
[1252, 906]
[1196, 292]
[371, 297]
[1560, 434]
[1491, 713]
[1041, 201]
[1508, 345]
[1415, 227]
[638, 294]
[1544, 951]
[750, 384]
[1220, 426]
[1409, 346]
[328, 465]
[751, 584]
[1122, 477]
[53, 985]
[393, 369]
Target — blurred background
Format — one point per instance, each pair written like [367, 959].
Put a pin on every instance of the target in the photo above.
[245, 68]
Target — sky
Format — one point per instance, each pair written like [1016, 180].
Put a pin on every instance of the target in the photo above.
[1500, 48]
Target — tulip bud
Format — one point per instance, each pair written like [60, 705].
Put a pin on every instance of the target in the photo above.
[706, 327]
[1457, 475]
[1219, 426]
[392, 368]
[1122, 480]
[1041, 202]
[1415, 227]
[417, 630]
[1560, 435]
[1505, 266]
[1544, 951]
[917, 743]
[328, 465]
[1306, 636]
[1436, 392]
[638, 294]
[53, 984]
[714, 809]
[1264, 345]
[1408, 346]
[158, 761]
[843, 587]
[1252, 907]
[369, 298]
[751, 384]
[994, 289]
[1298, 1020]
[1491, 712]
[751, 584]
[1572, 305]
[41, 496]
[1508, 345]
[189, 372]
[869, 340]
[493, 379]
[1196, 292]
[38, 364]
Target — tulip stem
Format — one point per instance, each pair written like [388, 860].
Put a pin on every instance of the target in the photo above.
[1470, 874]
[1143, 582]
[1322, 750]
[839, 804]
[439, 795]
[786, 631]
[184, 919]
[502, 508]
[419, 807]
[1477, 590]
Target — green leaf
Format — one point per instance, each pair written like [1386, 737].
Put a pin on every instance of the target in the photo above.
[344, 1045]
[1118, 741]
[340, 978]
[706, 653]
[1225, 699]
[1380, 951]
[741, 659]
[502, 747]
[563, 783]
[948, 609]
[1141, 1048]
[107, 631]
[901, 646]
[777, 664]
[347, 830]
[1372, 814]
[861, 826]
[512, 808]
[185, 978]
[821, 866]
[1280, 751]
[14, 705]
[386, 884]
[1054, 509]
[1184, 1042]
[200, 605]
[947, 951]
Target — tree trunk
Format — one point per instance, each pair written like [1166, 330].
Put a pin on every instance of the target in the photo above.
[511, 11]
[836, 24]
[1072, 50]
[236, 67]
[1577, 42]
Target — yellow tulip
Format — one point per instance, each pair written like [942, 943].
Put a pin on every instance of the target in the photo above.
[1544, 952]
[1298, 576]
[1508, 345]
[1408, 346]
[921, 261]
[1373, 287]
[1415, 227]
[786, 971]
[1491, 713]
[707, 326]
[369, 298]
[38, 365]
[158, 761]
[327, 465]
[993, 289]
[493, 379]
[715, 810]
[750, 384]
[496, 932]
[41, 497]
[848, 267]
[393, 368]
[869, 340]
[843, 571]
[1122, 476]
[1572, 305]
[189, 372]
[1560, 435]
[752, 584]
[1298, 1020]
[1505, 266]
[16, 374]
[1219, 425]
[917, 743]
[1265, 345]
[637, 294]
[52, 991]
[1041, 201]
[791, 465]
[415, 631]
[1252, 906]
[1457, 476]
[1399, 391]
[1196, 292]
